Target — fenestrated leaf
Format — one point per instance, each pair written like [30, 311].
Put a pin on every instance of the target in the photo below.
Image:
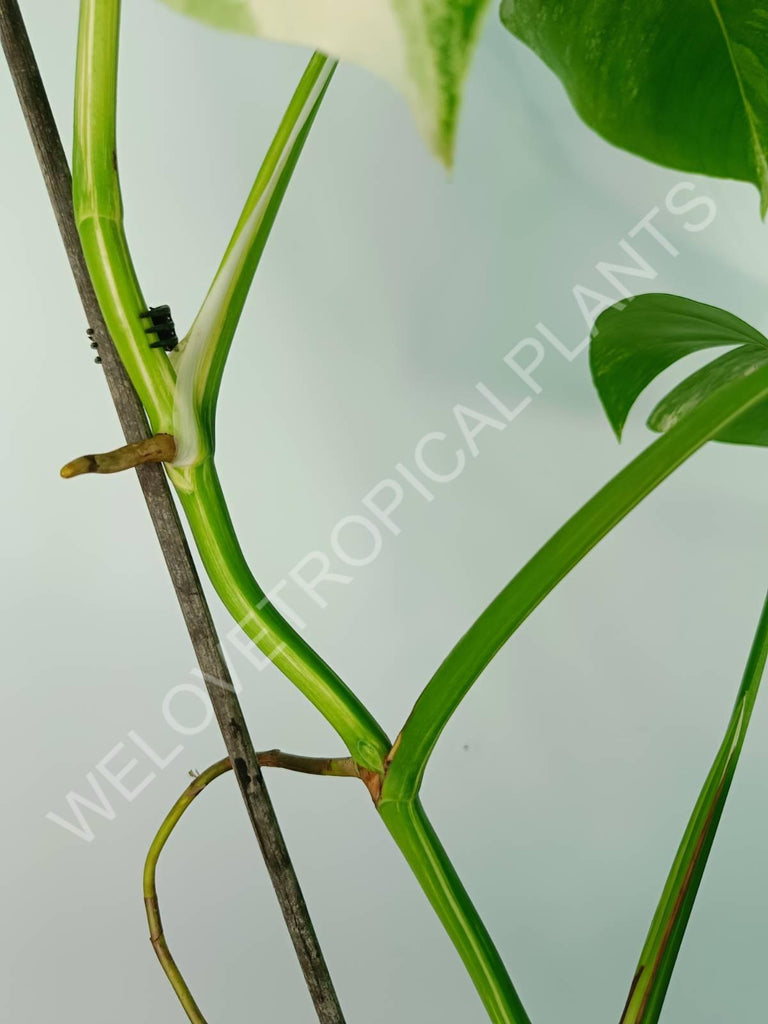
[633, 342]
[423, 47]
[682, 83]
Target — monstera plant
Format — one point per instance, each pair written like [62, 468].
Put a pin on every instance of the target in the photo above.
[684, 84]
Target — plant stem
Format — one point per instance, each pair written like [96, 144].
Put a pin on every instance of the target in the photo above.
[657, 960]
[548, 567]
[419, 844]
[99, 211]
[217, 542]
[341, 767]
[178, 558]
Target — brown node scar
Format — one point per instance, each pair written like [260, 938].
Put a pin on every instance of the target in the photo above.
[160, 448]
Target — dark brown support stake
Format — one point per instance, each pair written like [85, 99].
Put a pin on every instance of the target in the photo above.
[186, 583]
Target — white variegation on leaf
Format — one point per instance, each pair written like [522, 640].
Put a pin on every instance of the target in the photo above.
[423, 47]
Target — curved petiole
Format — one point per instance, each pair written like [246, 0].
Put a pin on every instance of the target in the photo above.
[206, 510]
[453, 679]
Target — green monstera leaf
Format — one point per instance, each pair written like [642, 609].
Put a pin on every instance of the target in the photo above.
[681, 82]
[635, 341]
[423, 47]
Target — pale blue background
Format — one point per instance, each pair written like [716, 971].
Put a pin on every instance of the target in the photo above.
[562, 785]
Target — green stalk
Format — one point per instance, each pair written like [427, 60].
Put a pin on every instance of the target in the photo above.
[552, 563]
[98, 207]
[657, 960]
[419, 844]
[99, 211]
[203, 502]
[201, 357]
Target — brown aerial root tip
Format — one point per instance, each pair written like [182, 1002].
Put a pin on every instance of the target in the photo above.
[160, 448]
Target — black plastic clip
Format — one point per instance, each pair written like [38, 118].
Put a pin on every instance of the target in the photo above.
[162, 326]
[94, 344]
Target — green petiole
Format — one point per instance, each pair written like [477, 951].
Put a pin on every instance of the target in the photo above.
[659, 955]
[202, 354]
[562, 552]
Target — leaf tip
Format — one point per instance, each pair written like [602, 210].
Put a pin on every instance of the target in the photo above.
[444, 148]
[614, 413]
[77, 467]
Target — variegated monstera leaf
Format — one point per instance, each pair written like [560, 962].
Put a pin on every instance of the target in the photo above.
[423, 47]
